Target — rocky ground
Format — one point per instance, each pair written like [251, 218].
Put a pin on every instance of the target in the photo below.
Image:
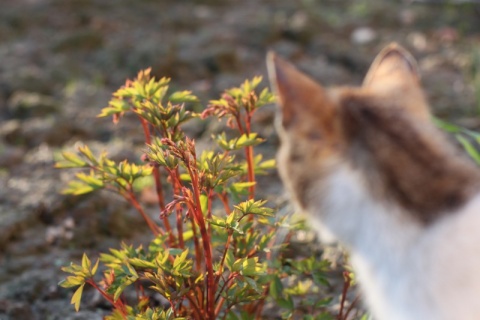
[60, 61]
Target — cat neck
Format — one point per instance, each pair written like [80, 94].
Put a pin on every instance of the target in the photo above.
[395, 256]
[399, 260]
[349, 213]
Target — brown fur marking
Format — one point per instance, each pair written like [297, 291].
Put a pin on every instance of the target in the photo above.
[409, 161]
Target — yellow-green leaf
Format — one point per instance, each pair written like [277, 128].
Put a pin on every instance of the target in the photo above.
[77, 296]
[86, 263]
[95, 267]
[72, 281]
[204, 203]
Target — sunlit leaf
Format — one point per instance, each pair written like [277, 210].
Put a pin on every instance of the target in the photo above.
[77, 296]
[472, 152]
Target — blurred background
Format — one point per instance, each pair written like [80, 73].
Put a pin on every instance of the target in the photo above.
[60, 60]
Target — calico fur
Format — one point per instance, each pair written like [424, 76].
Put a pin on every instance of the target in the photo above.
[371, 171]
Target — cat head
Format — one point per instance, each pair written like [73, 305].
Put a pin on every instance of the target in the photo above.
[381, 130]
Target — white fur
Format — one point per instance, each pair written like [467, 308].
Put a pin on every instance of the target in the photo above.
[407, 271]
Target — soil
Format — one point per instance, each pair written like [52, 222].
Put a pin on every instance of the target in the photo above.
[61, 60]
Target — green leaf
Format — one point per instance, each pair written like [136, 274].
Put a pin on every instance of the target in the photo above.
[119, 290]
[276, 288]
[239, 186]
[131, 270]
[254, 207]
[249, 267]
[86, 263]
[322, 303]
[108, 258]
[180, 259]
[126, 282]
[286, 303]
[472, 152]
[229, 260]
[72, 161]
[449, 127]
[185, 177]
[143, 182]
[77, 188]
[219, 222]
[139, 263]
[85, 150]
[72, 281]
[182, 97]
[204, 203]
[232, 316]
[248, 140]
[115, 106]
[473, 134]
[268, 164]
[74, 269]
[327, 316]
[230, 219]
[77, 296]
[237, 143]
[237, 265]
[188, 235]
[90, 179]
[95, 267]
[175, 251]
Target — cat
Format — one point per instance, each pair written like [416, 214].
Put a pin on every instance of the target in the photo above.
[371, 170]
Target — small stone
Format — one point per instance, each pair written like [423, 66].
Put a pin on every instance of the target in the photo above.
[418, 40]
[52, 234]
[299, 21]
[69, 223]
[363, 35]
[68, 235]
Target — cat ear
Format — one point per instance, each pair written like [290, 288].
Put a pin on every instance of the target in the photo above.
[299, 95]
[393, 65]
[394, 76]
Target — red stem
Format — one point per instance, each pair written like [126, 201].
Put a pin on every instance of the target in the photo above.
[227, 245]
[209, 211]
[198, 254]
[239, 123]
[119, 305]
[221, 300]
[176, 190]
[350, 308]
[196, 310]
[158, 184]
[261, 303]
[198, 214]
[224, 199]
[249, 156]
[251, 172]
[346, 285]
